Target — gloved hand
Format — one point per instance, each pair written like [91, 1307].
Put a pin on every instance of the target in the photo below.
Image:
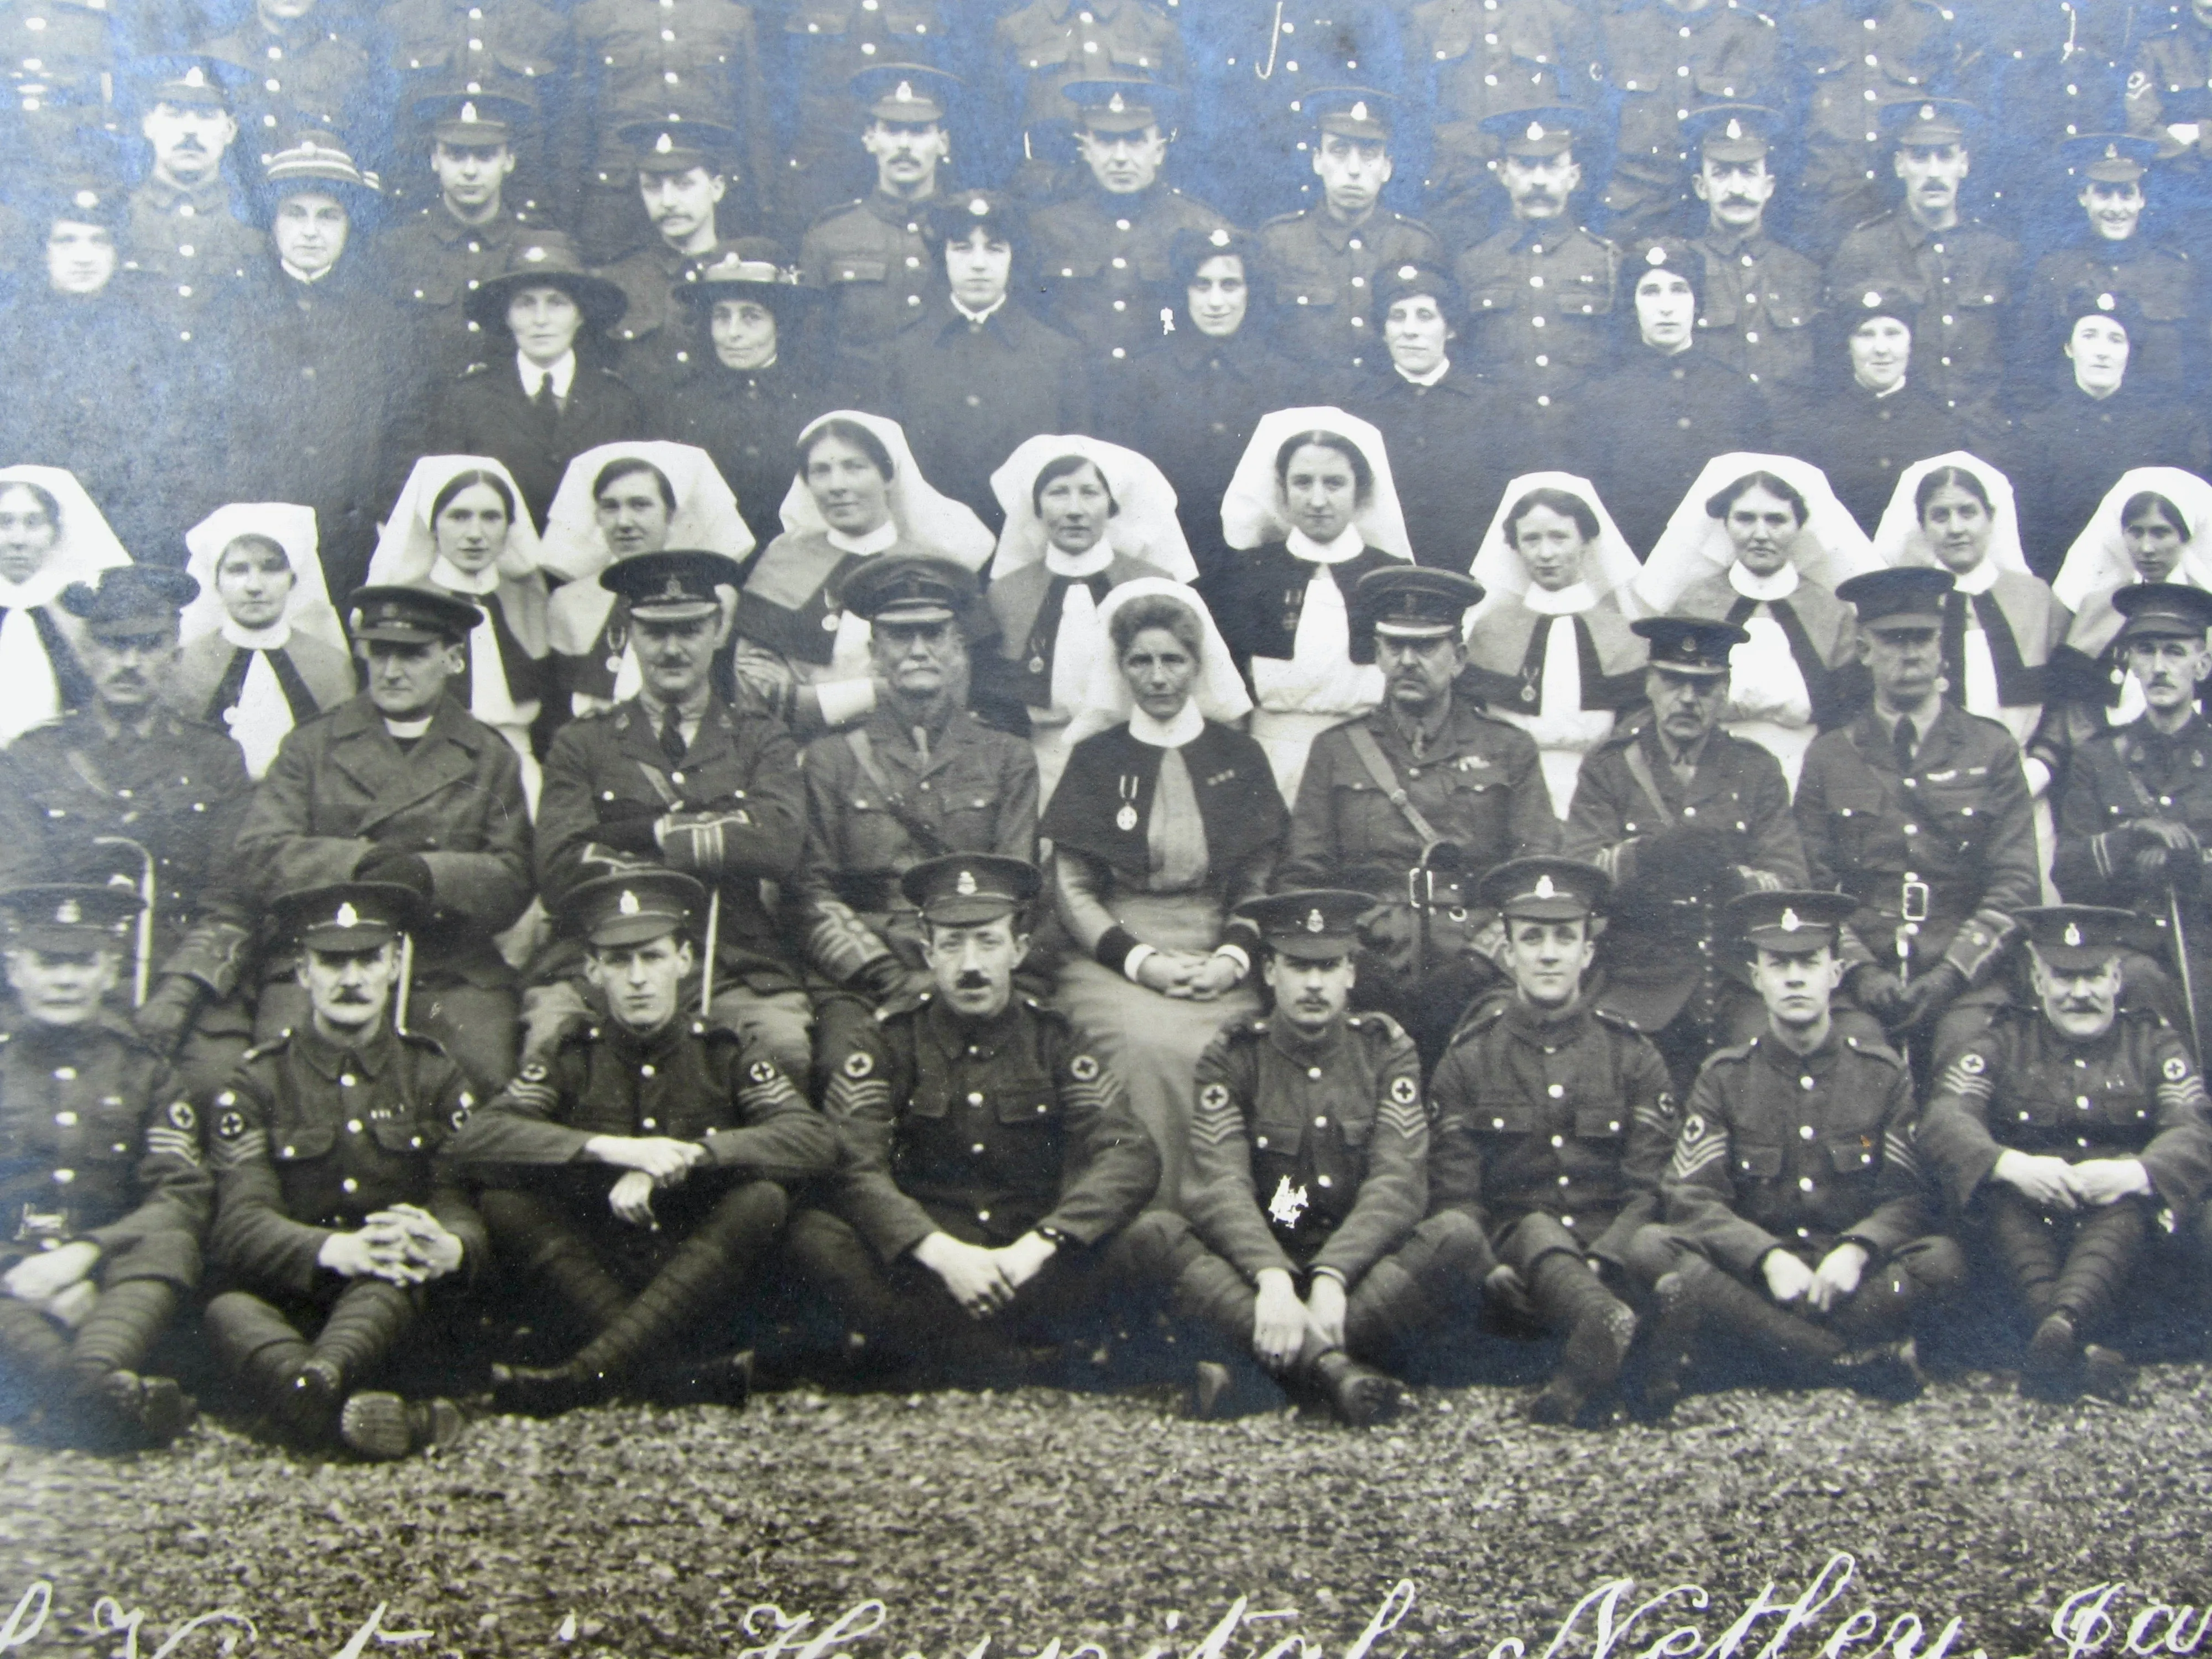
[398, 865]
[1878, 991]
[628, 825]
[1688, 861]
[1928, 996]
[169, 1011]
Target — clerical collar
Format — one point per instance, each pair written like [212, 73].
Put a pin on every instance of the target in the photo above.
[1443, 368]
[977, 318]
[882, 536]
[1345, 546]
[1765, 589]
[275, 637]
[1982, 578]
[454, 580]
[1172, 733]
[1080, 564]
[408, 731]
[308, 276]
[1565, 602]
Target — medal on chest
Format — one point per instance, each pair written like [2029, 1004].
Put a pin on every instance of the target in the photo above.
[1125, 820]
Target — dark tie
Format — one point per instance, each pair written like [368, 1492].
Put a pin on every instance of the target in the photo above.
[547, 402]
[1903, 740]
[671, 737]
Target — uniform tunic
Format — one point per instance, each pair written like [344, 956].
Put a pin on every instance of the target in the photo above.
[301, 77]
[1654, 422]
[1960, 283]
[657, 340]
[880, 271]
[2070, 453]
[1102, 258]
[1854, 58]
[822, 45]
[749, 421]
[432, 262]
[1308, 1153]
[97, 1144]
[520, 49]
[1323, 272]
[484, 411]
[1659, 61]
[1041, 46]
[1863, 439]
[1446, 459]
[1471, 60]
[192, 240]
[1540, 300]
[1552, 1130]
[2165, 286]
[1761, 301]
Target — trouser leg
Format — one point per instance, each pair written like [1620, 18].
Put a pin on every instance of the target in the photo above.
[263, 1350]
[1599, 1328]
[365, 1323]
[844, 1269]
[1202, 1287]
[33, 1346]
[779, 1023]
[122, 1328]
[1924, 1274]
[476, 1024]
[1436, 1276]
[541, 1244]
[2106, 1244]
[2029, 1247]
[720, 1253]
[546, 1012]
[1748, 1313]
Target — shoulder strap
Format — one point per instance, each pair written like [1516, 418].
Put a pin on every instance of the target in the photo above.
[925, 837]
[1639, 768]
[1378, 768]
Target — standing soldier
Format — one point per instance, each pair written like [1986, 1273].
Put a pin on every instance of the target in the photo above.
[873, 256]
[100, 1172]
[297, 74]
[1955, 269]
[517, 49]
[675, 775]
[435, 260]
[1920, 811]
[683, 173]
[1683, 817]
[1043, 46]
[1665, 57]
[2068, 1188]
[2169, 97]
[1413, 802]
[403, 784]
[1308, 1153]
[639, 1174]
[1101, 251]
[1797, 1220]
[990, 1165]
[1761, 298]
[338, 1203]
[182, 226]
[1324, 260]
[839, 57]
[126, 785]
[1554, 1121]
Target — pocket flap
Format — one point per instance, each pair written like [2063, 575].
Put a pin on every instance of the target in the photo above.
[1600, 1124]
[302, 1145]
[1761, 1163]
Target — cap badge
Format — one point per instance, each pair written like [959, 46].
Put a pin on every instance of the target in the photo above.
[1359, 110]
[1535, 132]
[534, 255]
[87, 198]
[1219, 238]
[70, 913]
[468, 114]
[1314, 922]
[1791, 921]
[1657, 256]
[1545, 890]
[1407, 273]
[473, 88]
[979, 205]
[1870, 299]
[1734, 128]
[2111, 152]
[2106, 302]
[2074, 934]
[966, 885]
[1116, 106]
[1928, 112]
[627, 905]
[663, 145]
[347, 916]
[195, 76]
[904, 95]
[674, 590]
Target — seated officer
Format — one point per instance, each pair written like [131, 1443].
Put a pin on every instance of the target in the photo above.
[101, 1173]
[1682, 817]
[1797, 1221]
[403, 784]
[639, 1174]
[1309, 1151]
[338, 1203]
[676, 776]
[1554, 1121]
[2068, 1191]
[989, 1164]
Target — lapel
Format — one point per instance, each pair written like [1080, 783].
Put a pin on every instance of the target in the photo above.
[393, 781]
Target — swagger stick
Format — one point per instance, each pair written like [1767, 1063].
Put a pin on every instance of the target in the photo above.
[2181, 958]
[142, 974]
[707, 967]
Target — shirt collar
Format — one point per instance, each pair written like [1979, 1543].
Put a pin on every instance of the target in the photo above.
[330, 1059]
[1574, 597]
[562, 374]
[882, 536]
[409, 731]
[1080, 564]
[1443, 368]
[305, 277]
[1172, 733]
[1765, 589]
[695, 710]
[1982, 578]
[977, 318]
[1346, 545]
[205, 198]
[454, 580]
[275, 637]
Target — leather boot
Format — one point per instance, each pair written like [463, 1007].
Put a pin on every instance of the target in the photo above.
[1674, 1338]
[1599, 1327]
[1358, 1395]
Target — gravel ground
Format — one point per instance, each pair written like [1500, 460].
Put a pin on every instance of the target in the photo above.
[1038, 1516]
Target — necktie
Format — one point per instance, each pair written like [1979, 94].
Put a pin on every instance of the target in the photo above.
[671, 737]
[1904, 741]
[548, 403]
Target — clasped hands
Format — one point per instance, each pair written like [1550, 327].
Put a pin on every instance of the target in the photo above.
[1280, 1320]
[404, 1244]
[1192, 975]
[1834, 1281]
[982, 1281]
[2164, 851]
[2052, 1183]
[647, 1162]
[57, 1282]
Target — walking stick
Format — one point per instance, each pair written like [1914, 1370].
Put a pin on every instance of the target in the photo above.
[406, 981]
[707, 967]
[2181, 960]
[142, 977]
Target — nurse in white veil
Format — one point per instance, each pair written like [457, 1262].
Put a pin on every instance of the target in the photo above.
[2154, 525]
[1761, 541]
[263, 648]
[51, 535]
[1553, 565]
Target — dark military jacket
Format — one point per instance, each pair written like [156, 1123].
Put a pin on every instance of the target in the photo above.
[687, 1081]
[737, 795]
[1323, 273]
[341, 788]
[975, 791]
[983, 1129]
[1759, 303]
[96, 1143]
[179, 791]
[311, 1138]
[2167, 286]
[432, 262]
[1652, 424]
[2022, 1085]
[1798, 1153]
[72, 45]
[875, 260]
[656, 340]
[1480, 785]
[484, 412]
[1446, 460]
[517, 49]
[1041, 46]
[1865, 440]
[1853, 59]
[1947, 851]
[1569, 1115]
[1481, 57]
[2116, 779]
[1658, 60]
[1540, 300]
[2067, 455]
[300, 78]
[638, 59]
[1258, 596]
[1960, 283]
[748, 420]
[2173, 71]
[1308, 1154]
[193, 241]
[1102, 260]
[824, 45]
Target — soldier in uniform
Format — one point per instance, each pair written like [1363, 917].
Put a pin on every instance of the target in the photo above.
[684, 171]
[338, 1205]
[1540, 291]
[1308, 1153]
[2134, 812]
[1683, 817]
[296, 73]
[990, 1167]
[402, 783]
[839, 57]
[448, 249]
[523, 50]
[182, 226]
[873, 256]
[1957, 270]
[1414, 801]
[1041, 46]
[2169, 97]
[639, 1174]
[1554, 1119]
[1920, 811]
[1324, 261]
[676, 775]
[1761, 297]
[1797, 1221]
[1662, 56]
[126, 785]
[100, 1171]
[2067, 1134]
[1101, 251]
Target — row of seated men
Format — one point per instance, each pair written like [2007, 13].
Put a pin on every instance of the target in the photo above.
[1631, 357]
[1337, 1196]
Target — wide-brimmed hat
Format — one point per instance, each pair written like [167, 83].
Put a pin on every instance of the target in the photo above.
[749, 268]
[548, 259]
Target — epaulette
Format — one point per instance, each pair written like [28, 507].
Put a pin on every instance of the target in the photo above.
[422, 1040]
[479, 368]
[1410, 223]
[275, 1045]
[1477, 1020]
[1615, 1018]
[1282, 219]
[1375, 1022]
[1874, 1050]
[1045, 1011]
[912, 1002]
[1248, 1028]
[1878, 219]
[714, 1031]
[1733, 1053]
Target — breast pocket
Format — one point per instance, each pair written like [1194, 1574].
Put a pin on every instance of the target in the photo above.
[1859, 1155]
[1857, 821]
[302, 1144]
[1476, 810]
[838, 272]
[874, 840]
[1758, 1163]
[1498, 1120]
[1028, 1141]
[1960, 819]
[1600, 1125]
[401, 1136]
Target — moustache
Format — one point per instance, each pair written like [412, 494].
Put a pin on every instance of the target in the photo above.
[972, 982]
[344, 997]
